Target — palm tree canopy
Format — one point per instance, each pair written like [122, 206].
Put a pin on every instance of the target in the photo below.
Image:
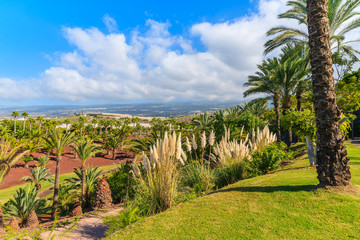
[39, 174]
[15, 114]
[9, 155]
[343, 18]
[58, 140]
[85, 150]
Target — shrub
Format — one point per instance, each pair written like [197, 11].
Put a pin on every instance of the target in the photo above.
[43, 160]
[25, 200]
[230, 172]
[121, 183]
[126, 217]
[197, 176]
[158, 187]
[91, 179]
[267, 160]
[26, 160]
[67, 196]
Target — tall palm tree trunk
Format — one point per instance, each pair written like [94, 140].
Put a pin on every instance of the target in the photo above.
[30, 126]
[277, 113]
[331, 156]
[24, 125]
[299, 96]
[83, 186]
[15, 125]
[56, 187]
[286, 106]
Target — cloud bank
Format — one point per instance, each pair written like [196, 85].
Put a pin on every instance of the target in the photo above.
[155, 65]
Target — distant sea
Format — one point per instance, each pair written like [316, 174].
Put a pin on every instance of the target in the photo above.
[143, 109]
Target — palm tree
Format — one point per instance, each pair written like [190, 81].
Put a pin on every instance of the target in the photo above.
[31, 121]
[113, 143]
[9, 156]
[47, 123]
[85, 150]
[39, 175]
[265, 81]
[15, 114]
[25, 115]
[89, 177]
[331, 156]
[58, 141]
[3, 132]
[204, 122]
[40, 119]
[82, 121]
[67, 122]
[343, 18]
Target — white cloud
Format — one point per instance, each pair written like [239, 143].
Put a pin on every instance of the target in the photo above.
[156, 65]
[16, 90]
[110, 23]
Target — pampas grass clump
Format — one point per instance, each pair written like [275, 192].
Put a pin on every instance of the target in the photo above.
[158, 187]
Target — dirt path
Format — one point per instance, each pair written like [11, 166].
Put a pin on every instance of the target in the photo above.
[89, 227]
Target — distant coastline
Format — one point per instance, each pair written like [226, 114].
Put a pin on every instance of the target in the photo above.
[141, 109]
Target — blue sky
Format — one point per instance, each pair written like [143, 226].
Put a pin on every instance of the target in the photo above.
[45, 45]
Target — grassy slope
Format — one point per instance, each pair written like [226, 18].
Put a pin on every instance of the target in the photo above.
[6, 194]
[274, 206]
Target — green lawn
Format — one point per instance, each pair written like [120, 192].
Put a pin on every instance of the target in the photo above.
[6, 194]
[281, 205]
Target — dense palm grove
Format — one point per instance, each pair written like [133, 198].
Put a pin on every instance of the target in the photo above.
[182, 158]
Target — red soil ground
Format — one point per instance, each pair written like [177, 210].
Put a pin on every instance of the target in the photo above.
[67, 165]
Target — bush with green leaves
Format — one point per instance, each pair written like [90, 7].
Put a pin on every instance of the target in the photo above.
[230, 172]
[121, 183]
[126, 217]
[267, 160]
[26, 160]
[39, 175]
[91, 179]
[43, 160]
[67, 196]
[24, 201]
[198, 177]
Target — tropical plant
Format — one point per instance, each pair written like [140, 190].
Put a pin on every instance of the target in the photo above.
[25, 115]
[342, 18]
[31, 121]
[121, 183]
[26, 159]
[198, 176]
[265, 81]
[267, 159]
[67, 122]
[126, 217]
[203, 123]
[40, 119]
[67, 196]
[15, 114]
[39, 175]
[3, 132]
[88, 180]
[25, 201]
[9, 156]
[43, 160]
[58, 141]
[84, 150]
[158, 187]
[332, 168]
[113, 142]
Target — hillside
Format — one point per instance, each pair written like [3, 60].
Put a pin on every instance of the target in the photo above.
[281, 205]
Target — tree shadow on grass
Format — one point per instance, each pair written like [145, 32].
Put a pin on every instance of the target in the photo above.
[270, 189]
